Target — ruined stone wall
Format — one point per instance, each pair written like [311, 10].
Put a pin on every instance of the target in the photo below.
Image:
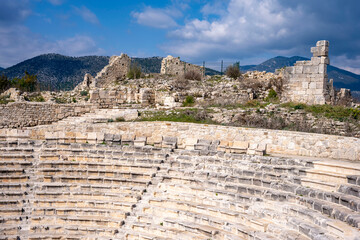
[26, 114]
[174, 66]
[116, 70]
[307, 81]
[273, 141]
[112, 98]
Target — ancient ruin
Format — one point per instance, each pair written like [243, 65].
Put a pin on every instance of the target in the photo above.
[307, 81]
[116, 70]
[96, 167]
[174, 66]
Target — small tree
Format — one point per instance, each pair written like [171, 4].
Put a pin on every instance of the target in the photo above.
[233, 71]
[134, 71]
[5, 83]
[28, 83]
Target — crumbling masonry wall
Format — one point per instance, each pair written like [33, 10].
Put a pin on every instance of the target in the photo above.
[307, 81]
[174, 66]
[116, 70]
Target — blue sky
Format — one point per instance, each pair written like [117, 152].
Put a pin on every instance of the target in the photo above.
[196, 30]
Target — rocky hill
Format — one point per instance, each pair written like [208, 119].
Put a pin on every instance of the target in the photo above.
[58, 72]
[342, 78]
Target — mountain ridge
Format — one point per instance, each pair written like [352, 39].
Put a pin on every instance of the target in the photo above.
[59, 72]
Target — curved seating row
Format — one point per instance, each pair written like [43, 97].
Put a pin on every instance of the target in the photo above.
[129, 190]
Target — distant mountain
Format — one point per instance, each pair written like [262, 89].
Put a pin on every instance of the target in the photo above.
[1, 69]
[58, 72]
[342, 78]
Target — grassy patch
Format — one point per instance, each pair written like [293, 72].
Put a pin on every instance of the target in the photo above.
[339, 113]
[183, 115]
[249, 104]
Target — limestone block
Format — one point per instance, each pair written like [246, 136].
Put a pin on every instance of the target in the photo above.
[139, 141]
[91, 137]
[299, 69]
[223, 145]
[312, 85]
[322, 68]
[311, 69]
[322, 43]
[127, 139]
[305, 85]
[190, 143]
[117, 138]
[108, 137]
[239, 147]
[261, 149]
[169, 142]
[100, 137]
[324, 60]
[290, 70]
[316, 60]
[154, 140]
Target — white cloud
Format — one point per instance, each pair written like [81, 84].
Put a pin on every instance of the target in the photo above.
[247, 29]
[86, 14]
[157, 17]
[19, 43]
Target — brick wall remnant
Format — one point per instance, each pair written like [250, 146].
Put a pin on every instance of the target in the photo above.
[174, 66]
[307, 81]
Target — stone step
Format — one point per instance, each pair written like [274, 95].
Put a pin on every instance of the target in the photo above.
[324, 176]
[343, 167]
[313, 183]
[350, 189]
[83, 203]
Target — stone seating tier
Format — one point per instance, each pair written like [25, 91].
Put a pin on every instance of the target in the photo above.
[126, 189]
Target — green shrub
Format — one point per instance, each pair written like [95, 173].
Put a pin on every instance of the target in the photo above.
[134, 71]
[233, 71]
[272, 96]
[5, 83]
[84, 93]
[36, 98]
[189, 101]
[60, 100]
[28, 83]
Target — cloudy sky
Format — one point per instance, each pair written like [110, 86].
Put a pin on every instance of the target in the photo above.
[196, 30]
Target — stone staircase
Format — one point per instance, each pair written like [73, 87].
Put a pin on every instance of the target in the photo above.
[122, 188]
